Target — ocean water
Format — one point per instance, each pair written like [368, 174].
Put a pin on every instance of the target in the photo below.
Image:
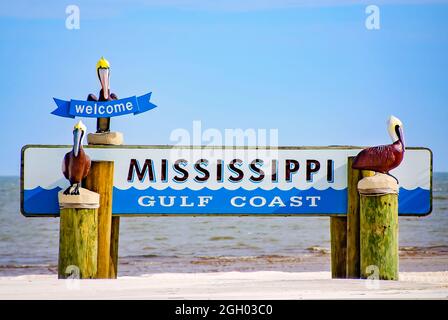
[208, 244]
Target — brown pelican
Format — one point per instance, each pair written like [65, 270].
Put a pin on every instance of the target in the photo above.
[76, 163]
[384, 158]
[103, 72]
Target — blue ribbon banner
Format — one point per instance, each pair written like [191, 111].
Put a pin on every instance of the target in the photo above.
[103, 109]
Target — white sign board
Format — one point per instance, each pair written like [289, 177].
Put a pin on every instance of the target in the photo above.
[165, 180]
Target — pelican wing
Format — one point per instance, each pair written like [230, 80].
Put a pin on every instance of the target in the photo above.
[65, 164]
[92, 97]
[379, 159]
[384, 154]
[86, 166]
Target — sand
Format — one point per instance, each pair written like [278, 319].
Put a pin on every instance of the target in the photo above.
[228, 285]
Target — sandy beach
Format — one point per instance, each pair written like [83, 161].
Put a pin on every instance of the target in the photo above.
[228, 285]
[219, 258]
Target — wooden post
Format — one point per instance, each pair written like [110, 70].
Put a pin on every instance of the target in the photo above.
[379, 227]
[110, 138]
[115, 231]
[78, 235]
[100, 180]
[338, 234]
[353, 245]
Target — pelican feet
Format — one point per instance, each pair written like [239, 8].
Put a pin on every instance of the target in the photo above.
[393, 177]
[73, 190]
[102, 131]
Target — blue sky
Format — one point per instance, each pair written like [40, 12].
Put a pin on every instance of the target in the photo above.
[310, 69]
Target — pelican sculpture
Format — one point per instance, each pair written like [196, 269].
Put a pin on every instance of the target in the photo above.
[103, 73]
[76, 163]
[383, 159]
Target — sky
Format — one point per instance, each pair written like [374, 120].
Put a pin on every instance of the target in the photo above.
[310, 69]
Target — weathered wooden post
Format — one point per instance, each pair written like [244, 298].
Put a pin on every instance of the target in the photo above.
[379, 227]
[338, 234]
[78, 236]
[100, 180]
[344, 231]
[114, 237]
[353, 244]
[110, 139]
[345, 260]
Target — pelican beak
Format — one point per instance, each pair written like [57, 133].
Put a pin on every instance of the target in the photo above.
[103, 74]
[77, 138]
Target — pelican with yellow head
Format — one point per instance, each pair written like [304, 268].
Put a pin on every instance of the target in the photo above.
[76, 163]
[103, 73]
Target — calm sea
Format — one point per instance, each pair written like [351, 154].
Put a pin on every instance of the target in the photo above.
[208, 244]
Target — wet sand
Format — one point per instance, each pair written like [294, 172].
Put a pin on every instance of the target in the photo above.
[412, 259]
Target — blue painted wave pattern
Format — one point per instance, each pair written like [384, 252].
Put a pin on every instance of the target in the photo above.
[40, 201]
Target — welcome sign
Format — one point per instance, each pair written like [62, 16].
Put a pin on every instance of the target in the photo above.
[103, 109]
[166, 180]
